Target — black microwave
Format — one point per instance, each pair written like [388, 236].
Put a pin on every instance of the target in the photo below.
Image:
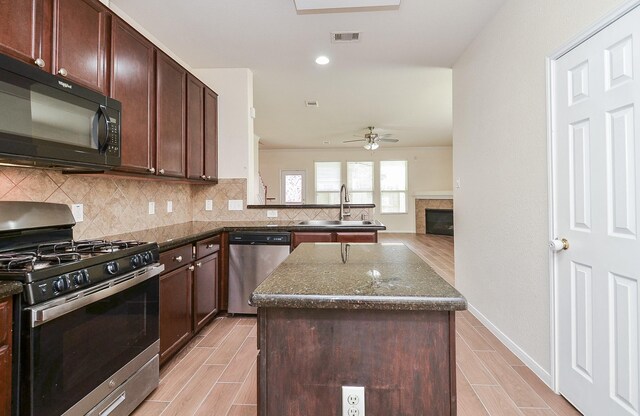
[49, 122]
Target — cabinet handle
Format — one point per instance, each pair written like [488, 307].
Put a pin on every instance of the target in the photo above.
[203, 177]
[63, 72]
[208, 177]
[210, 245]
[39, 62]
[161, 171]
[199, 264]
[191, 268]
[152, 170]
[178, 259]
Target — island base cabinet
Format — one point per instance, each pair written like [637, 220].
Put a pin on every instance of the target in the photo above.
[404, 359]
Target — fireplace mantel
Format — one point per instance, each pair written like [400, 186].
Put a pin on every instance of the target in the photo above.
[433, 195]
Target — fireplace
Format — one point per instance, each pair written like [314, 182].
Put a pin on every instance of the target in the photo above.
[439, 221]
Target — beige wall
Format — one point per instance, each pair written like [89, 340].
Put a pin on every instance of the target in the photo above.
[500, 156]
[430, 169]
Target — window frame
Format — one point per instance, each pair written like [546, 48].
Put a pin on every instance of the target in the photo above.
[315, 180]
[283, 190]
[404, 191]
[372, 190]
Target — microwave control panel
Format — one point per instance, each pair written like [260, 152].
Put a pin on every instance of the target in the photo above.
[114, 138]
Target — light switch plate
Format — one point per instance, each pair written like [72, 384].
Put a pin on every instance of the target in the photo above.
[272, 213]
[235, 205]
[169, 206]
[208, 205]
[78, 212]
[152, 208]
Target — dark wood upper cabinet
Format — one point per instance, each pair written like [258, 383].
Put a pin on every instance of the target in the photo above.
[210, 134]
[170, 116]
[133, 84]
[81, 42]
[26, 33]
[195, 128]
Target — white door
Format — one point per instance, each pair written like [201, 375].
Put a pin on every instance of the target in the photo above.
[596, 150]
[292, 187]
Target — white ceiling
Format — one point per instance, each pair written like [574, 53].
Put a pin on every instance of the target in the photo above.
[396, 78]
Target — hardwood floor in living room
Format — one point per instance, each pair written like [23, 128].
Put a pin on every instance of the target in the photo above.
[215, 374]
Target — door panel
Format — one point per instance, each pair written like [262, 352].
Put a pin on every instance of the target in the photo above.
[195, 128]
[170, 113]
[210, 134]
[31, 39]
[205, 290]
[132, 83]
[81, 37]
[596, 208]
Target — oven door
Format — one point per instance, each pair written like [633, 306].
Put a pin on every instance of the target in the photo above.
[76, 350]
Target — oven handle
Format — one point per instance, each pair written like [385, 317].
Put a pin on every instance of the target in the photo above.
[45, 313]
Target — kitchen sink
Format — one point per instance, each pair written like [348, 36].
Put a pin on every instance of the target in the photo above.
[336, 223]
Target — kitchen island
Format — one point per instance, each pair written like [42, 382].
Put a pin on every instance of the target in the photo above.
[370, 315]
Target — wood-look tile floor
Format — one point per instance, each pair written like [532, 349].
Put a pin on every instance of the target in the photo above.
[215, 374]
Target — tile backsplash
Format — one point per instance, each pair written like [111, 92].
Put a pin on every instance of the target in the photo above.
[115, 205]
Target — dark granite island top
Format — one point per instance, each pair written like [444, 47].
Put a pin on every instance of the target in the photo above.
[356, 276]
[381, 320]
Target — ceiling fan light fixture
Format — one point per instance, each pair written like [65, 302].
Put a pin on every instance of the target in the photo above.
[371, 146]
[322, 60]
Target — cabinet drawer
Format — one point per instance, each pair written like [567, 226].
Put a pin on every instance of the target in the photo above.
[177, 257]
[357, 237]
[311, 237]
[208, 246]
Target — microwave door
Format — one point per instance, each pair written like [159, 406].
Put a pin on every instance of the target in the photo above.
[100, 131]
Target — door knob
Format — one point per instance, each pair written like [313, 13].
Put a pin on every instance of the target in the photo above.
[559, 244]
[151, 170]
[161, 171]
[40, 62]
[63, 72]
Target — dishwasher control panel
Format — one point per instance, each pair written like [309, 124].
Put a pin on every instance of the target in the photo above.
[257, 237]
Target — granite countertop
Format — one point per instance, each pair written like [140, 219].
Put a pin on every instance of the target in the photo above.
[173, 236]
[373, 276]
[8, 288]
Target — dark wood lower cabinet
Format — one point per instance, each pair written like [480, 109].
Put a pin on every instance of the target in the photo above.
[175, 311]
[6, 311]
[405, 360]
[298, 237]
[205, 291]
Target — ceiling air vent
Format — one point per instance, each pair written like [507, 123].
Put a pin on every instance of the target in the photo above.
[311, 103]
[345, 37]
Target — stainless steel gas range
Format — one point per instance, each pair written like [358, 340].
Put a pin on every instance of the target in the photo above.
[88, 321]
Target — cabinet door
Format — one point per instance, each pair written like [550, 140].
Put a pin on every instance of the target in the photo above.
[357, 237]
[175, 311]
[210, 134]
[205, 290]
[27, 36]
[81, 35]
[311, 237]
[195, 128]
[132, 83]
[170, 115]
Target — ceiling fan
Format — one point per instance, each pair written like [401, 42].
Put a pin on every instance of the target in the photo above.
[372, 140]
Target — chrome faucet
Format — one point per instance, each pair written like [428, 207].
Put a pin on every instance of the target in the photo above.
[344, 199]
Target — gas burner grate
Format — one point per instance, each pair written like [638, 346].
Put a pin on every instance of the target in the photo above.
[56, 247]
[59, 258]
[17, 261]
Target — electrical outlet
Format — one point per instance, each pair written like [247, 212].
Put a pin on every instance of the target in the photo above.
[169, 206]
[78, 212]
[208, 205]
[152, 208]
[235, 204]
[272, 213]
[458, 183]
[352, 401]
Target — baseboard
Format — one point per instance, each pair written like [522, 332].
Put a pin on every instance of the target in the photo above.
[543, 374]
[397, 231]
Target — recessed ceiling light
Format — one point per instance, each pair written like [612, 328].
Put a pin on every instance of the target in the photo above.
[322, 60]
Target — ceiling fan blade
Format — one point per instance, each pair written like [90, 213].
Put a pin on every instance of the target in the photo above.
[384, 135]
[351, 141]
[389, 140]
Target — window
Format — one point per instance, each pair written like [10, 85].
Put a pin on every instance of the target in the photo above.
[393, 186]
[292, 187]
[360, 182]
[328, 182]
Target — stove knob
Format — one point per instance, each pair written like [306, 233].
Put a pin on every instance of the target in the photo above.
[147, 258]
[81, 278]
[112, 267]
[61, 284]
[136, 261]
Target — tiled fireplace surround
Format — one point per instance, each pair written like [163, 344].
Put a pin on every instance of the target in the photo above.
[422, 204]
[114, 205]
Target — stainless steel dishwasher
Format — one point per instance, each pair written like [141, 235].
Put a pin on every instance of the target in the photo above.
[253, 255]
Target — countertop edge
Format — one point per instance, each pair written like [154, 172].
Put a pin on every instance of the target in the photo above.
[10, 288]
[358, 302]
